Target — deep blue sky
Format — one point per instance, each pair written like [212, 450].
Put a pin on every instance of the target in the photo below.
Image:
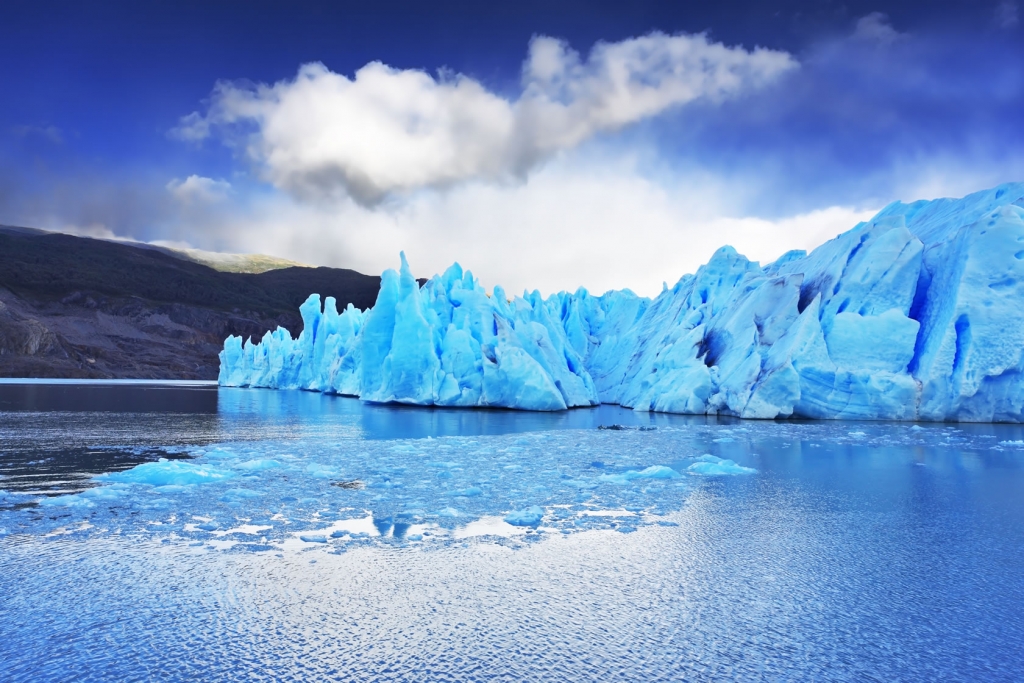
[90, 91]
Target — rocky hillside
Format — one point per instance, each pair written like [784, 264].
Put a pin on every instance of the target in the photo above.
[88, 308]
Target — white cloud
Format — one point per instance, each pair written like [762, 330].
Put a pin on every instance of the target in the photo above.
[389, 131]
[875, 28]
[198, 189]
[191, 128]
[596, 223]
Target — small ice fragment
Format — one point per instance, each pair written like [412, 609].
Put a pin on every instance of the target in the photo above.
[168, 472]
[209, 526]
[916, 428]
[857, 435]
[257, 465]
[172, 488]
[322, 471]
[448, 512]
[415, 537]
[709, 465]
[87, 498]
[531, 516]
[313, 538]
[652, 472]
[470, 492]
[234, 494]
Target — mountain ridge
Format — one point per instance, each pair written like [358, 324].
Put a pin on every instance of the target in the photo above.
[82, 307]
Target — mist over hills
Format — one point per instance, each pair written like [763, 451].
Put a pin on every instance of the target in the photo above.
[80, 307]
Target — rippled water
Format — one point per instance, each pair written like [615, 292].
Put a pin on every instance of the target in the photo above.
[186, 532]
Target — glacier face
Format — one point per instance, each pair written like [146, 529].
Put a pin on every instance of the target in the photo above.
[917, 314]
[448, 343]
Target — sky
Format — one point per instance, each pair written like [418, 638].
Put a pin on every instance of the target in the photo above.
[545, 145]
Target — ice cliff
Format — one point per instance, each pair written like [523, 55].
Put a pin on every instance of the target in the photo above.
[448, 343]
[917, 314]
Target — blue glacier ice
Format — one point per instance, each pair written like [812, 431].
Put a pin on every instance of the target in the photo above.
[917, 314]
[449, 343]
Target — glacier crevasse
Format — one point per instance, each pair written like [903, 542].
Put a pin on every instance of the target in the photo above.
[917, 314]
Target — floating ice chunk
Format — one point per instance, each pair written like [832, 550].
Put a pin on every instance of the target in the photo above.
[652, 472]
[322, 471]
[165, 472]
[471, 492]
[257, 465]
[313, 538]
[172, 488]
[232, 494]
[710, 465]
[88, 498]
[448, 512]
[531, 516]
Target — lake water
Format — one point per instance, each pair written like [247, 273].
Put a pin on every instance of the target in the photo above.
[185, 532]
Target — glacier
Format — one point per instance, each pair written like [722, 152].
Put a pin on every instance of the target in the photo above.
[917, 314]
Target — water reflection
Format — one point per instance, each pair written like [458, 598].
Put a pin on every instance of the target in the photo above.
[124, 396]
[237, 407]
[416, 422]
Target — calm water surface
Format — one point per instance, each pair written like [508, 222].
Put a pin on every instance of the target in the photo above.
[185, 532]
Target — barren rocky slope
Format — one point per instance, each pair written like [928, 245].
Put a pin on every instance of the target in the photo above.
[87, 308]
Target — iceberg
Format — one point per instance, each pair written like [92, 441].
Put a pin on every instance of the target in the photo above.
[917, 314]
[447, 343]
